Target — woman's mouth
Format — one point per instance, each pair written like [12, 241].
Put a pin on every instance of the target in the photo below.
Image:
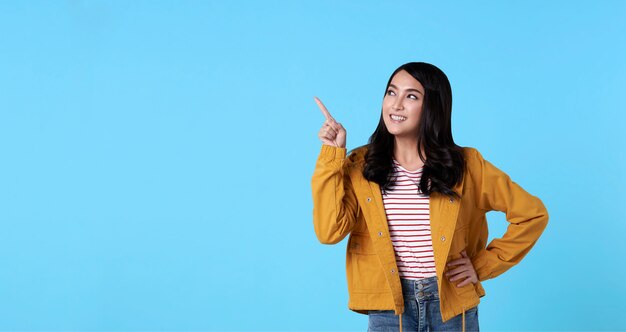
[397, 118]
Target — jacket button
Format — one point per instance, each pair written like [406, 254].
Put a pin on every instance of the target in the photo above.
[369, 199]
[451, 199]
[380, 233]
[393, 271]
[443, 238]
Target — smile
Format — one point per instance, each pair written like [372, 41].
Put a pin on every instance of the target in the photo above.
[397, 118]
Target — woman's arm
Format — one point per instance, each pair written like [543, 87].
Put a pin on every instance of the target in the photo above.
[334, 201]
[526, 214]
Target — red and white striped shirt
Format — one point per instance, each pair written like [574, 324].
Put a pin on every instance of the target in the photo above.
[408, 217]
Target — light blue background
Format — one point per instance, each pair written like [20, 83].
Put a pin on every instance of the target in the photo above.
[157, 155]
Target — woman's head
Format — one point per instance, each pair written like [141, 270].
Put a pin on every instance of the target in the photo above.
[402, 105]
[428, 110]
[421, 93]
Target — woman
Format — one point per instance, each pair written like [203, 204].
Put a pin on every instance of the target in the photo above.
[414, 204]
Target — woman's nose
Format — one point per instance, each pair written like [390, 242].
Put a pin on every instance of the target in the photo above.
[398, 104]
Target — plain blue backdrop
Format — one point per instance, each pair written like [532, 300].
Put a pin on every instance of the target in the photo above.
[156, 156]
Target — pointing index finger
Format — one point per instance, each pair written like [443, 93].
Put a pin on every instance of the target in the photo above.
[323, 108]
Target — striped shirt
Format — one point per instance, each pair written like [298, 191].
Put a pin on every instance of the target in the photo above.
[408, 217]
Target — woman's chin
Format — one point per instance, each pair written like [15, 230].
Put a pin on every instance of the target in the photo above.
[394, 130]
[401, 133]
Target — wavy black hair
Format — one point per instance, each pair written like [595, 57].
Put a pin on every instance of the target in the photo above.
[444, 165]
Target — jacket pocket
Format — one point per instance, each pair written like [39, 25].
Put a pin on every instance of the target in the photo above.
[466, 291]
[360, 243]
[459, 243]
[364, 271]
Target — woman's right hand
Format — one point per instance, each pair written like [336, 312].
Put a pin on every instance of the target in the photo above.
[332, 132]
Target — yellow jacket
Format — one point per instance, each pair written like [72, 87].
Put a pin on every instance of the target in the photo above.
[344, 202]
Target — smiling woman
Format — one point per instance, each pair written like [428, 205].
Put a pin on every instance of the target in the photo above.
[415, 204]
[402, 106]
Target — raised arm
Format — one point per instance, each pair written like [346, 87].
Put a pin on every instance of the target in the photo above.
[334, 201]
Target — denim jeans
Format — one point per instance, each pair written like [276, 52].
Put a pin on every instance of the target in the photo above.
[421, 311]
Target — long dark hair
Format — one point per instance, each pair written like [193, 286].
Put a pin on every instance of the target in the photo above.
[444, 165]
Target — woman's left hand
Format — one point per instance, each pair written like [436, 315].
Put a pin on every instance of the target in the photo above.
[464, 272]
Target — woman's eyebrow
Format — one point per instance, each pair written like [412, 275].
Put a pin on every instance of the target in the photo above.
[418, 91]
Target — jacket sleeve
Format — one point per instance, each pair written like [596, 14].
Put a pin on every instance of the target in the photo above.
[526, 214]
[334, 201]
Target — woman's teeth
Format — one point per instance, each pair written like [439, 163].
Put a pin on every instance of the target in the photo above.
[397, 118]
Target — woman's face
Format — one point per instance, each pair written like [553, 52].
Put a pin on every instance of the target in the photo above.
[404, 98]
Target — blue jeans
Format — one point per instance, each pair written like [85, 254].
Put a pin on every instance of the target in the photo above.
[421, 311]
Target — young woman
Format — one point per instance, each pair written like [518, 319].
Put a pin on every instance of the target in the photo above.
[414, 205]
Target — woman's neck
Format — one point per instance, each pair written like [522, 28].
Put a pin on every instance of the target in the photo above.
[405, 152]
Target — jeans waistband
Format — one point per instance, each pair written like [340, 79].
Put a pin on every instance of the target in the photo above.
[421, 289]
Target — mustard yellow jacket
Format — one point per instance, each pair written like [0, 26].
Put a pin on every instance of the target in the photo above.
[344, 202]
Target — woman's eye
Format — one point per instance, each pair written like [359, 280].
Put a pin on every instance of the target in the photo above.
[414, 96]
[389, 92]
